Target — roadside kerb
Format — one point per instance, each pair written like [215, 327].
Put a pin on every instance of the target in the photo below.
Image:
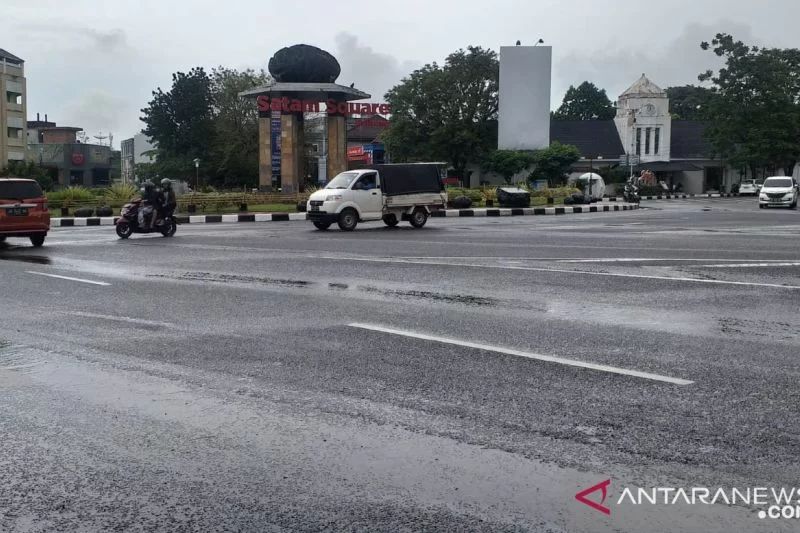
[288, 217]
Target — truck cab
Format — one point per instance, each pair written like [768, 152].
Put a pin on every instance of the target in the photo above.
[402, 192]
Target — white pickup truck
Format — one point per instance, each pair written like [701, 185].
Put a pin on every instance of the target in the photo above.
[381, 192]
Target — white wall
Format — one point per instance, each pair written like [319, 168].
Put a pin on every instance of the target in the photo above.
[524, 118]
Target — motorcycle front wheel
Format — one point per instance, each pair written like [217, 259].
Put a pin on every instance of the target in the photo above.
[124, 230]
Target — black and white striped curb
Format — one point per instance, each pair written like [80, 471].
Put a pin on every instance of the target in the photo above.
[524, 211]
[678, 196]
[191, 219]
[286, 217]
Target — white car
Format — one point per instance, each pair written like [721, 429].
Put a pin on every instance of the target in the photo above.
[748, 187]
[779, 191]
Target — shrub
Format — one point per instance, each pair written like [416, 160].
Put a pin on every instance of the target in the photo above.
[476, 195]
[652, 190]
[489, 194]
[120, 193]
[555, 192]
[71, 196]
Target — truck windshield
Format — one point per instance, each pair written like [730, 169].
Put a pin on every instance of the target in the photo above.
[342, 181]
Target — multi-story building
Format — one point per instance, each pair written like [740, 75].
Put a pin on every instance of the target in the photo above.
[13, 108]
[136, 150]
[70, 161]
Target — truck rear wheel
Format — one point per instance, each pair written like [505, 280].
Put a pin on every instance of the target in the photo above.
[348, 220]
[390, 220]
[322, 225]
[419, 217]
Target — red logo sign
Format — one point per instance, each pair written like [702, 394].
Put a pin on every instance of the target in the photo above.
[603, 487]
[292, 105]
[78, 159]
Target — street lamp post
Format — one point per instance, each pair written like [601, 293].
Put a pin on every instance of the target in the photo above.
[196, 173]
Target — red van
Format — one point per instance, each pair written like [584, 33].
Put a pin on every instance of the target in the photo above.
[23, 210]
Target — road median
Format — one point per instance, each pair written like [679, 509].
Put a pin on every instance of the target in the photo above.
[294, 217]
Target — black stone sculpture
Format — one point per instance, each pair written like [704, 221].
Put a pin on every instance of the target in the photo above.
[303, 63]
[513, 197]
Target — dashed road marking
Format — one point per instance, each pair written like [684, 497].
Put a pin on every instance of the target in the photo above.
[528, 355]
[90, 282]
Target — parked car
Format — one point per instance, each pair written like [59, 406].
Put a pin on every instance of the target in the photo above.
[778, 191]
[23, 210]
[748, 187]
[381, 192]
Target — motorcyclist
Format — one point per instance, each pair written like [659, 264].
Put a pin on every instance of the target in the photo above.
[167, 202]
[150, 198]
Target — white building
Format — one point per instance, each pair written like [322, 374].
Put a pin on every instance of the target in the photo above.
[675, 150]
[136, 150]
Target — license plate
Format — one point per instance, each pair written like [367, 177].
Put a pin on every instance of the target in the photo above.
[315, 208]
[17, 211]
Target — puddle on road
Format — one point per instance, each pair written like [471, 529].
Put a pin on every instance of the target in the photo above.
[35, 259]
[14, 360]
[232, 278]
[463, 299]
[779, 331]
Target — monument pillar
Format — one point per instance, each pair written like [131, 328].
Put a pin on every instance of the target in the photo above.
[337, 145]
[292, 152]
[264, 154]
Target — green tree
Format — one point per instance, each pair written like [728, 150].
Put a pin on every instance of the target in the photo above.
[234, 151]
[202, 116]
[446, 112]
[689, 102]
[29, 170]
[553, 163]
[753, 110]
[507, 163]
[181, 121]
[585, 102]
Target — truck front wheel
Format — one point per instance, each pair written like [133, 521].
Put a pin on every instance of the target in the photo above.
[419, 217]
[348, 220]
[390, 220]
[322, 225]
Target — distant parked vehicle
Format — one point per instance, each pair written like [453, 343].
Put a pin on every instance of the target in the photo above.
[23, 210]
[748, 188]
[778, 191]
[382, 192]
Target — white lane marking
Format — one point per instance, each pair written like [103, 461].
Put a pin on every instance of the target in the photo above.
[529, 355]
[645, 260]
[125, 319]
[101, 283]
[752, 265]
[580, 272]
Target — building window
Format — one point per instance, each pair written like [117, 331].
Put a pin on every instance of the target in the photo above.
[656, 139]
[647, 141]
[638, 141]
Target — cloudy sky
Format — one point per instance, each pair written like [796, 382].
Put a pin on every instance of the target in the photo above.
[94, 64]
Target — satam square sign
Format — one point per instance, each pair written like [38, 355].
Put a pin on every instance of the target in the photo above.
[333, 107]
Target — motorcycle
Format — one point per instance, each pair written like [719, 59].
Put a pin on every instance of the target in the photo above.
[631, 193]
[134, 216]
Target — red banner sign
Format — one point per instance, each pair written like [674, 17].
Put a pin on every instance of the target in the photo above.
[293, 105]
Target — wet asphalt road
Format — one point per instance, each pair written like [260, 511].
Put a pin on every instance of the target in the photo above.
[269, 377]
